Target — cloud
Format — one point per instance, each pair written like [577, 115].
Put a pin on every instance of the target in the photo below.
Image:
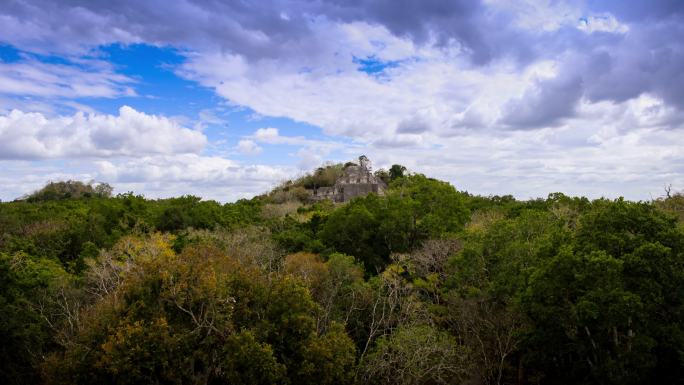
[538, 15]
[20, 178]
[291, 42]
[413, 125]
[648, 60]
[431, 95]
[310, 152]
[602, 23]
[269, 135]
[640, 10]
[183, 168]
[26, 135]
[608, 149]
[155, 176]
[618, 67]
[248, 147]
[88, 79]
[530, 96]
[544, 104]
[253, 30]
[211, 177]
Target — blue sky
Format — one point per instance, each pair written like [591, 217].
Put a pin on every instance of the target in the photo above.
[226, 100]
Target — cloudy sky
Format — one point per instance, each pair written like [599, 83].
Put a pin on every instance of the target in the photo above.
[224, 99]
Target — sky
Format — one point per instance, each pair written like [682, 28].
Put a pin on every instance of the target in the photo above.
[226, 99]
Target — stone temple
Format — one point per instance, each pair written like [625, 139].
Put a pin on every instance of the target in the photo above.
[356, 180]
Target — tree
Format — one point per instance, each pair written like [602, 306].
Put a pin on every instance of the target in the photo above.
[354, 229]
[417, 354]
[329, 359]
[383, 175]
[197, 317]
[104, 190]
[70, 189]
[578, 302]
[414, 209]
[396, 171]
[29, 290]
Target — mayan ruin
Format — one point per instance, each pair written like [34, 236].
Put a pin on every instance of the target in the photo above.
[357, 180]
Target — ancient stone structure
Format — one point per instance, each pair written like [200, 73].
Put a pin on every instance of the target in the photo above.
[357, 180]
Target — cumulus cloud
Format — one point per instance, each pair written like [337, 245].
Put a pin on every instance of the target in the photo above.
[544, 104]
[531, 96]
[310, 152]
[271, 135]
[428, 96]
[413, 125]
[608, 149]
[248, 147]
[642, 61]
[253, 30]
[211, 177]
[186, 168]
[599, 57]
[155, 176]
[283, 44]
[648, 60]
[32, 135]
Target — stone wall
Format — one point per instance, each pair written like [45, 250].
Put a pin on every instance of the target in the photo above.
[348, 191]
[356, 181]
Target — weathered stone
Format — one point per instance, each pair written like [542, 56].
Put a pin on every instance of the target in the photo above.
[357, 180]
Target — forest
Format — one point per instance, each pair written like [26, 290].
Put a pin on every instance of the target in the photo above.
[425, 284]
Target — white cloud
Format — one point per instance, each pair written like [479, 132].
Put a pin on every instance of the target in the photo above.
[155, 176]
[436, 91]
[607, 150]
[209, 117]
[26, 135]
[19, 178]
[90, 78]
[310, 152]
[248, 147]
[206, 176]
[187, 168]
[632, 148]
[444, 117]
[602, 23]
[268, 135]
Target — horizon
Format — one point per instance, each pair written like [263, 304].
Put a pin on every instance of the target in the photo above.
[225, 101]
[114, 194]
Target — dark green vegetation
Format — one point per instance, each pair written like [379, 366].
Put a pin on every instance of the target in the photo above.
[425, 285]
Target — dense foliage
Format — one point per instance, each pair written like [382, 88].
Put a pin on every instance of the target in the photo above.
[70, 189]
[424, 285]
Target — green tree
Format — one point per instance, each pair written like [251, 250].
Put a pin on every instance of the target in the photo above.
[415, 209]
[579, 303]
[396, 171]
[28, 290]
